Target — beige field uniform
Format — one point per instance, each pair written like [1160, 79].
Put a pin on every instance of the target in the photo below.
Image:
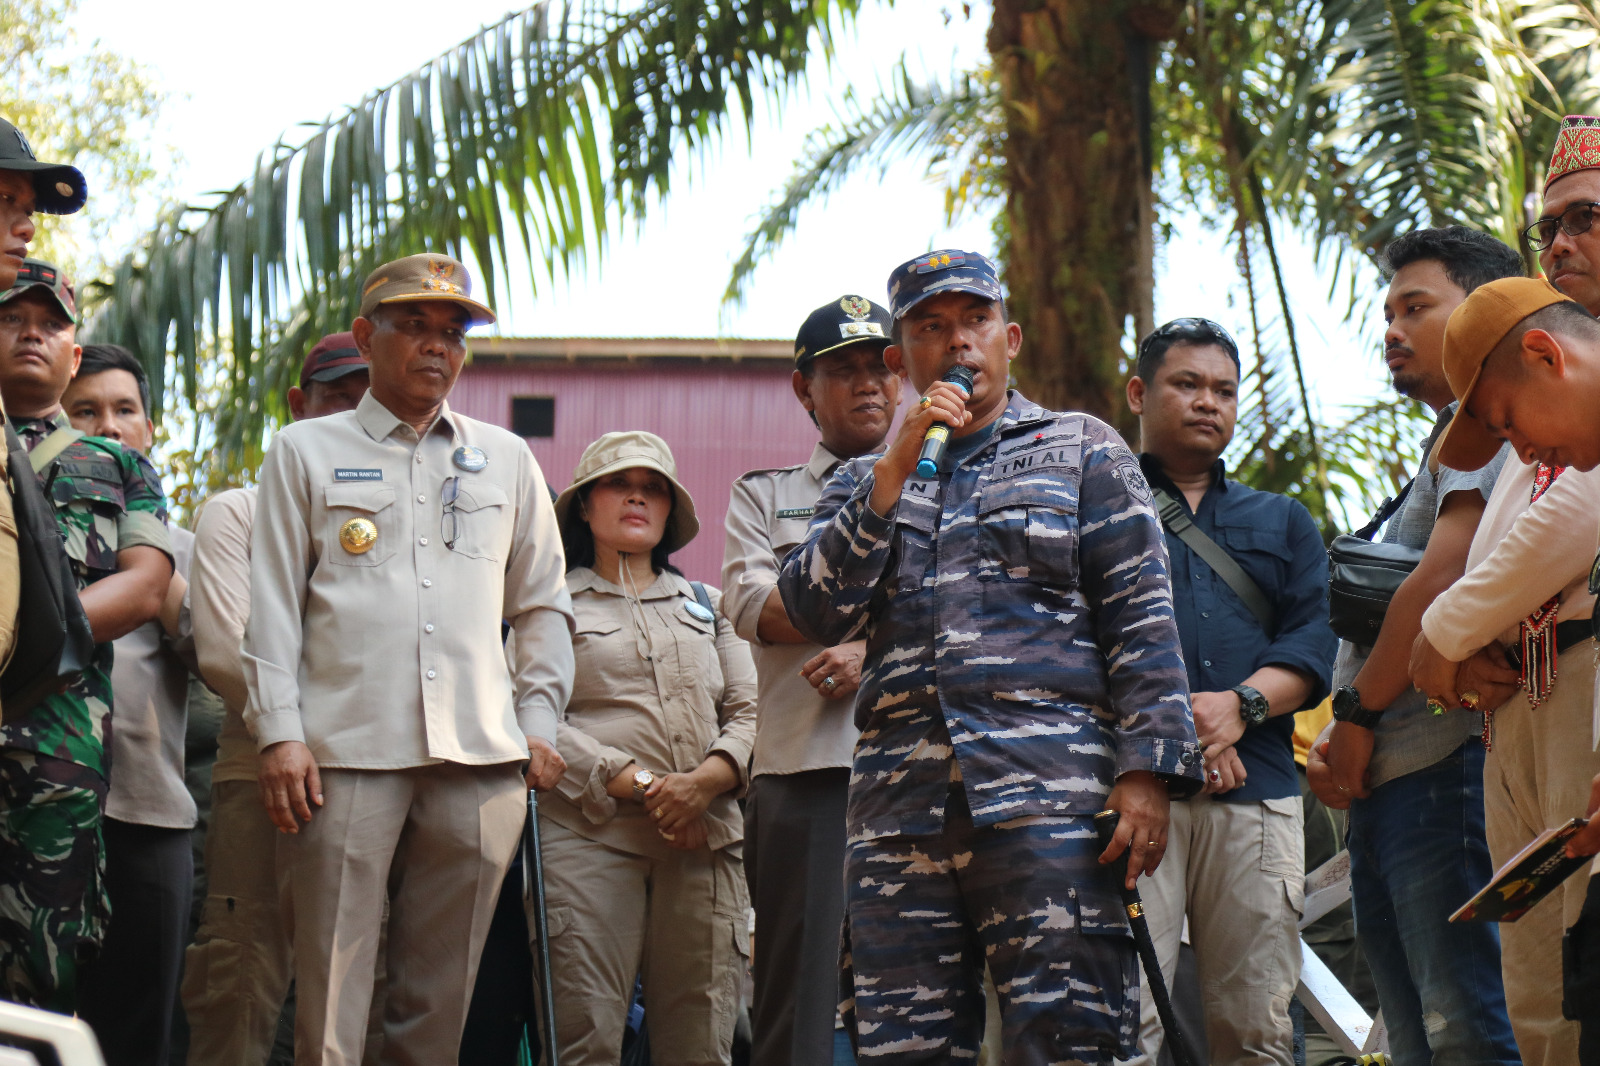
[800, 778]
[386, 662]
[1538, 772]
[654, 687]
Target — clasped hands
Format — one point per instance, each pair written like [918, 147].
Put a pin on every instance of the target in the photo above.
[675, 803]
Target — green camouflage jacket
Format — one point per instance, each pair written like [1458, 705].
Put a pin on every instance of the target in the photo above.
[107, 498]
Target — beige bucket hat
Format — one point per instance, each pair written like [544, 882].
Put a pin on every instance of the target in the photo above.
[624, 451]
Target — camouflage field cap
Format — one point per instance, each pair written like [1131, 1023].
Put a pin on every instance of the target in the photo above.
[37, 274]
[58, 189]
[947, 270]
[425, 276]
[624, 451]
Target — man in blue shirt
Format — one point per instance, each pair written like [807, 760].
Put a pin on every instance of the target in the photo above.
[1257, 648]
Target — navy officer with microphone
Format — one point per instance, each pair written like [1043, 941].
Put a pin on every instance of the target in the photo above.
[1022, 673]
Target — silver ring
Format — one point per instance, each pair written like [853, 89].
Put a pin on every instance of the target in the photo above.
[1215, 776]
[829, 682]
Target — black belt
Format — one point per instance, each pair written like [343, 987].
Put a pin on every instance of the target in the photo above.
[1569, 633]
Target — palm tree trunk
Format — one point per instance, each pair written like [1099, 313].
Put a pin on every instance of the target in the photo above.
[1074, 81]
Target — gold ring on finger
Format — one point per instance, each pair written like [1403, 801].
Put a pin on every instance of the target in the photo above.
[1153, 844]
[1436, 706]
[925, 403]
[656, 814]
[1470, 699]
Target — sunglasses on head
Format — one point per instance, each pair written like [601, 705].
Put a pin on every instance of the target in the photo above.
[1194, 331]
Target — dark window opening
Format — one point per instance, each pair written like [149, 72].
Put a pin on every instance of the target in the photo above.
[533, 416]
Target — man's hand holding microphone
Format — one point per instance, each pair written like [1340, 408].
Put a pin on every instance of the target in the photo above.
[944, 404]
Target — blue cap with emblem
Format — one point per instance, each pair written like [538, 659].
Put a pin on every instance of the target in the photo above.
[946, 270]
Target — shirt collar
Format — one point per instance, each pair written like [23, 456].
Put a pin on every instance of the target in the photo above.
[666, 584]
[1157, 476]
[823, 462]
[379, 421]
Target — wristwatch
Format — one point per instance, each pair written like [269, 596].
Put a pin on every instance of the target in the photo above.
[1253, 706]
[1347, 708]
[642, 780]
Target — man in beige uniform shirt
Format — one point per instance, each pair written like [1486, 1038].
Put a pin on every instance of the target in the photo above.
[389, 544]
[1527, 560]
[128, 992]
[795, 824]
[236, 973]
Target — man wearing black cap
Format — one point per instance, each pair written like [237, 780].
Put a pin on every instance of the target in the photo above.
[111, 514]
[26, 186]
[1022, 673]
[794, 816]
[237, 971]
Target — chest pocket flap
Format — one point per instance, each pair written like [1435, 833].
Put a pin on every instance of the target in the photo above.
[1031, 518]
[369, 498]
[474, 496]
[1273, 542]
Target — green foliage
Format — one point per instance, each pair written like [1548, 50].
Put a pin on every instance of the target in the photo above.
[516, 147]
[84, 104]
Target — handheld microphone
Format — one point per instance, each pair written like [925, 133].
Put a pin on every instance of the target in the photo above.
[938, 435]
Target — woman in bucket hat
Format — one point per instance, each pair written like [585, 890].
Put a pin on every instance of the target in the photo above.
[642, 837]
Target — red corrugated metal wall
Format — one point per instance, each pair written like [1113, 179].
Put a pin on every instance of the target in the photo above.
[720, 419]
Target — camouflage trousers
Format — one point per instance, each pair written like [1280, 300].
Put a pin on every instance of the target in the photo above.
[924, 915]
[53, 907]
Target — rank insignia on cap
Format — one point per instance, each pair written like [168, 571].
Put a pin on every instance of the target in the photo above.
[860, 329]
[940, 262]
[442, 269]
[855, 307]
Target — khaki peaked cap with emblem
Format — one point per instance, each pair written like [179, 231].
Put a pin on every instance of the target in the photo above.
[624, 451]
[1475, 329]
[425, 276]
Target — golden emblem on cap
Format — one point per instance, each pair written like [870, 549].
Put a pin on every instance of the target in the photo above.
[855, 307]
[440, 271]
[358, 535]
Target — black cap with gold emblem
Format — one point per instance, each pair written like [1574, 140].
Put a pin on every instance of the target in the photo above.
[838, 324]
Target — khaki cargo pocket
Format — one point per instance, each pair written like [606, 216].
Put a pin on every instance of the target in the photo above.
[1283, 837]
[349, 502]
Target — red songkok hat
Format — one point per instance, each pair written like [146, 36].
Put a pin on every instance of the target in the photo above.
[1577, 147]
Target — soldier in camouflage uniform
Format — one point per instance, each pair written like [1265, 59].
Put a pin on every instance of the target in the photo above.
[1022, 673]
[54, 757]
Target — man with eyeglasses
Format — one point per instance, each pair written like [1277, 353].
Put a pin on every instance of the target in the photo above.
[236, 973]
[1249, 591]
[389, 543]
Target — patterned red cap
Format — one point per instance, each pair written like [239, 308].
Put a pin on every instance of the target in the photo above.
[1577, 147]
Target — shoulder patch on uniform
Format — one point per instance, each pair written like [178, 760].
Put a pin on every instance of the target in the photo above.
[772, 470]
[1127, 471]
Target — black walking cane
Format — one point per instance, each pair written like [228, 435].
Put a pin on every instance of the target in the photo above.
[1105, 824]
[533, 889]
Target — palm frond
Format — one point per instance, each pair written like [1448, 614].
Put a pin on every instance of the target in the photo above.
[514, 149]
[952, 126]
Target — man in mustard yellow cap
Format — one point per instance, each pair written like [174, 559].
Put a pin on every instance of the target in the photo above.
[1521, 356]
[389, 543]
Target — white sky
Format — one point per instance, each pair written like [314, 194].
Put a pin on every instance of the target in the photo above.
[242, 74]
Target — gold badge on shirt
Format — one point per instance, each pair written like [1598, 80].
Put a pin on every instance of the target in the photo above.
[358, 535]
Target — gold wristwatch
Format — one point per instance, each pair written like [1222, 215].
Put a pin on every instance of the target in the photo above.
[642, 780]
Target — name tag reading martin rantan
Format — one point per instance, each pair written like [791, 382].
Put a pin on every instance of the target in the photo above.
[357, 473]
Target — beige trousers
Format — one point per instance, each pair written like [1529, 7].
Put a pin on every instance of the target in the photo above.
[1537, 775]
[1238, 871]
[438, 839]
[679, 920]
[236, 973]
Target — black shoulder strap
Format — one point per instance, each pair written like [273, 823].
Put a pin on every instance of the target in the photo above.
[1385, 512]
[1232, 574]
[703, 598]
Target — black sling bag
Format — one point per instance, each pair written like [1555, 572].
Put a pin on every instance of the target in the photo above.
[1363, 576]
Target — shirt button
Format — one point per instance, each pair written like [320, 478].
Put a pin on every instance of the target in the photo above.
[422, 499]
[423, 541]
[428, 628]
[427, 583]
[1205, 614]
[431, 675]
[1205, 662]
[419, 458]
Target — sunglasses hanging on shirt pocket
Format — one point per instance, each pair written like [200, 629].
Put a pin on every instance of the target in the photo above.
[1363, 576]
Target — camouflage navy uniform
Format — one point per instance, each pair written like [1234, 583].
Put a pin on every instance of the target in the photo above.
[55, 758]
[1021, 655]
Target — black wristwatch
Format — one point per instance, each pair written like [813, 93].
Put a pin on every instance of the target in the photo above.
[1253, 706]
[1347, 708]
